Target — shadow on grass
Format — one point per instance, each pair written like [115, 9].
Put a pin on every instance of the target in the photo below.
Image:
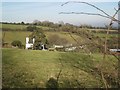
[52, 83]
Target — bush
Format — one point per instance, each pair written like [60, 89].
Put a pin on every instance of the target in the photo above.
[17, 43]
[31, 28]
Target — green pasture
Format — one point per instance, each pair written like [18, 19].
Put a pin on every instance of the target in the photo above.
[103, 35]
[10, 36]
[13, 27]
[66, 36]
[34, 69]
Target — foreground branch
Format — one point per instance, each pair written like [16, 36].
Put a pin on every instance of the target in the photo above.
[89, 5]
[106, 14]
[85, 13]
[106, 37]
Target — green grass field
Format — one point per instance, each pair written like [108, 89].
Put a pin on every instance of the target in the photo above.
[14, 27]
[97, 32]
[35, 68]
[66, 36]
[17, 35]
[31, 68]
[21, 35]
[101, 35]
[10, 36]
[18, 27]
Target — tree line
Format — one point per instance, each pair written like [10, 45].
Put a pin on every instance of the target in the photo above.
[59, 24]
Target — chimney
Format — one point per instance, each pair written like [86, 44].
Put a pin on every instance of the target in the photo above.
[27, 40]
[33, 40]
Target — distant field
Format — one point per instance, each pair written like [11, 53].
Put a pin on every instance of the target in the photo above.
[18, 27]
[14, 27]
[65, 35]
[34, 68]
[102, 30]
[17, 33]
[21, 35]
[31, 68]
[23, 27]
[10, 36]
[97, 32]
[101, 35]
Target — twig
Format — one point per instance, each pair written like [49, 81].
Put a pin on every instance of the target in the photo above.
[77, 42]
[107, 15]
[116, 56]
[89, 5]
[106, 37]
[84, 13]
[112, 18]
[104, 81]
[115, 9]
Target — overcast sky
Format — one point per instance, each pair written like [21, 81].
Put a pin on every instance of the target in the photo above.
[49, 11]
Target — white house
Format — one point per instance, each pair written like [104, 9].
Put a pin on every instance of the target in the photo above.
[57, 46]
[29, 45]
[70, 49]
[43, 47]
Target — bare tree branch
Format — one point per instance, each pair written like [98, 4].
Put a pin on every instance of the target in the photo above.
[115, 9]
[84, 13]
[65, 3]
[107, 15]
[116, 56]
[103, 79]
[106, 37]
[85, 49]
[112, 18]
[89, 5]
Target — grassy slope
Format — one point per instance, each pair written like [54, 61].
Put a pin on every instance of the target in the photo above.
[21, 35]
[64, 35]
[34, 68]
[30, 68]
[15, 35]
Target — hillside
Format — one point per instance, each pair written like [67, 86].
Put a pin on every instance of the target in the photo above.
[30, 68]
[10, 36]
[78, 69]
[92, 38]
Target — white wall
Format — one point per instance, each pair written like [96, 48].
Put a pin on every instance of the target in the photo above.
[29, 45]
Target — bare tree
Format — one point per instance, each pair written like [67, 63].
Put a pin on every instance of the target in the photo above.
[105, 15]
